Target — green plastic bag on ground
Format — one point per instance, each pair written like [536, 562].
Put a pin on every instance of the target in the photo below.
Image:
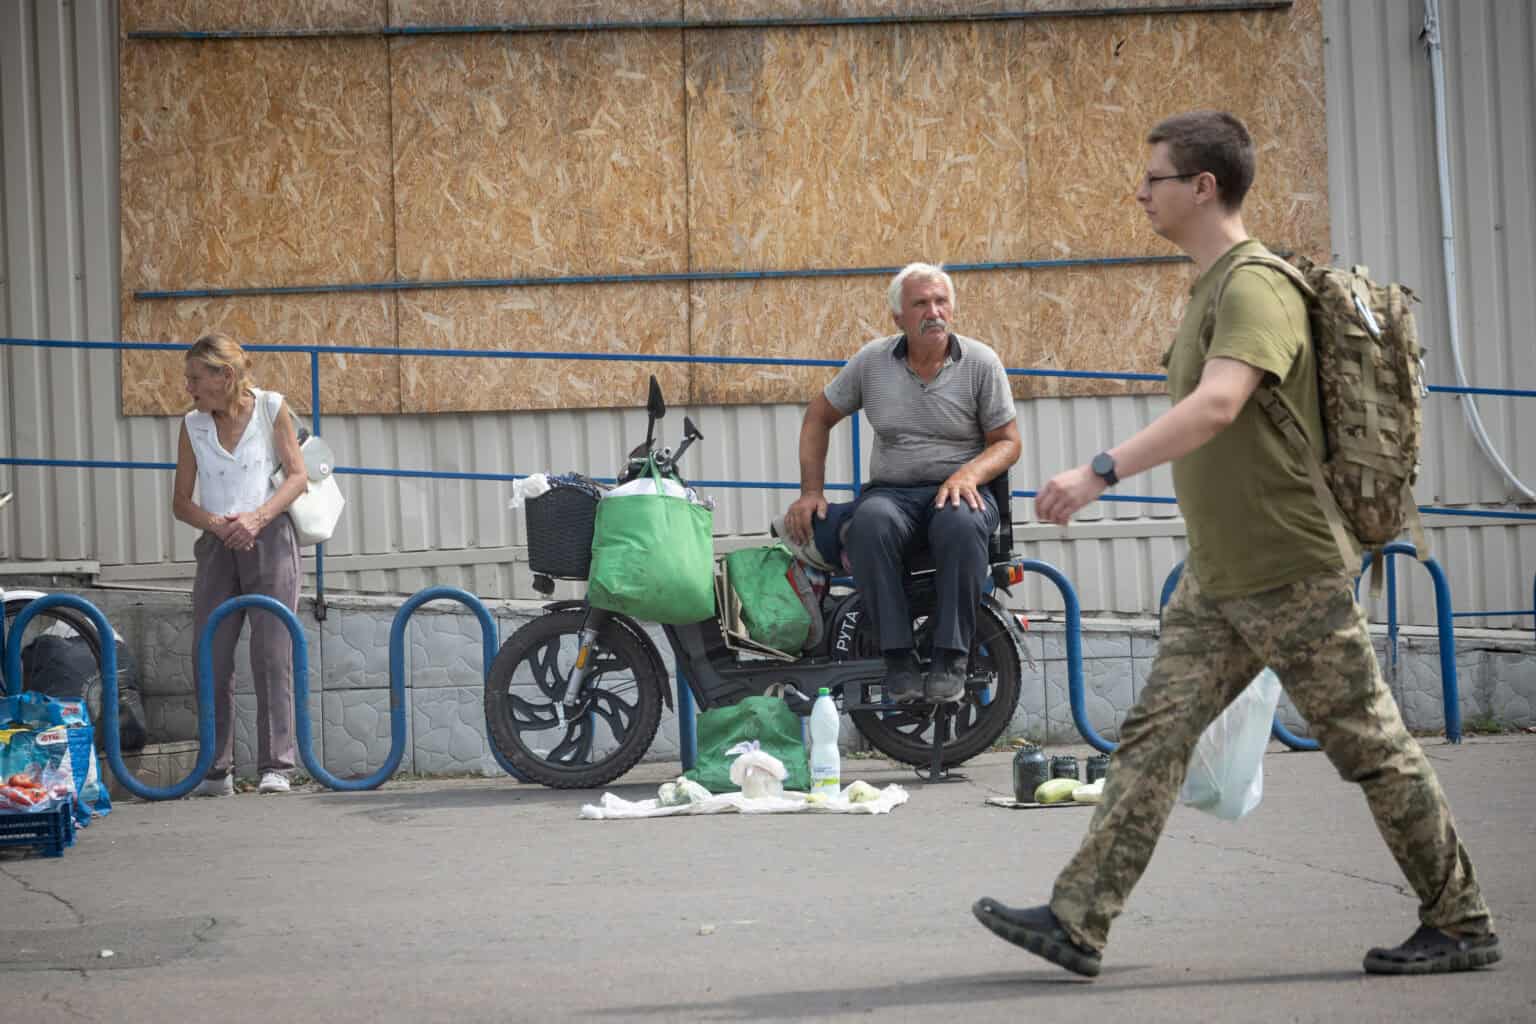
[765, 719]
[653, 557]
[773, 612]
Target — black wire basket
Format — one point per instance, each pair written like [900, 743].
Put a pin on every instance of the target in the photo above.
[560, 531]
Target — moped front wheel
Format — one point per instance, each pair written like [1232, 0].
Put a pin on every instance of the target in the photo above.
[580, 746]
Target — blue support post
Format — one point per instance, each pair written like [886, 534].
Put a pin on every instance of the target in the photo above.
[1278, 729]
[687, 724]
[314, 419]
[858, 475]
[109, 696]
[1392, 617]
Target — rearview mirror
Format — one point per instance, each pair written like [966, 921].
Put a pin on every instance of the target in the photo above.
[655, 405]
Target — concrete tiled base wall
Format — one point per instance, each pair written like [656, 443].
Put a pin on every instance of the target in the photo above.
[349, 680]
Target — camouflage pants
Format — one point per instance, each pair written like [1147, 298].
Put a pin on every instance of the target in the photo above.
[1313, 635]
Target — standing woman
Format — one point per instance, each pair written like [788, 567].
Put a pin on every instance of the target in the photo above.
[231, 442]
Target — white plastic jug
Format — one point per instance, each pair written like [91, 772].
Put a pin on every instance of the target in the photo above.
[826, 762]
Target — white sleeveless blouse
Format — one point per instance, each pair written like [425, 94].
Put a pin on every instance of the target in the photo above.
[229, 483]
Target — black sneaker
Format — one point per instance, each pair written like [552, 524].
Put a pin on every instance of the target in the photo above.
[903, 682]
[946, 679]
[1432, 951]
[1037, 930]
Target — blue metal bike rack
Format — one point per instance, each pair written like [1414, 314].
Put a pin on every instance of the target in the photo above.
[397, 676]
[109, 696]
[1450, 693]
[1074, 612]
[1443, 618]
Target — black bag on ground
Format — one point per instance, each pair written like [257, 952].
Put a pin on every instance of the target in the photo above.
[65, 666]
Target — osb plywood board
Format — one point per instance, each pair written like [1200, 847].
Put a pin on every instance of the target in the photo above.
[1105, 319]
[854, 146]
[200, 15]
[1098, 86]
[152, 380]
[791, 318]
[254, 163]
[531, 12]
[540, 154]
[1114, 319]
[629, 319]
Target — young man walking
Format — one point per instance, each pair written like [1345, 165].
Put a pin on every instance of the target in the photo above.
[1264, 584]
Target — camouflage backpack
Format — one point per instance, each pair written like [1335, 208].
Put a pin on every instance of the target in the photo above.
[1370, 376]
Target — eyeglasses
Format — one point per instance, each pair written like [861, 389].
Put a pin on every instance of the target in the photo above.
[1153, 179]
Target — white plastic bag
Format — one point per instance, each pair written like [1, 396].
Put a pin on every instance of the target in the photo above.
[647, 485]
[529, 487]
[1226, 771]
[757, 772]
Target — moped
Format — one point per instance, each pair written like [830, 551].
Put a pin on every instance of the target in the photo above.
[574, 697]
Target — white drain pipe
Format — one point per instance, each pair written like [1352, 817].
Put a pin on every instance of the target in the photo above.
[1431, 37]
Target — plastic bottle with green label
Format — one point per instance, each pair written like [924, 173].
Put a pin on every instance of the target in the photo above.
[826, 761]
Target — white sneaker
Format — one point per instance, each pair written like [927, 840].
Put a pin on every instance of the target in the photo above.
[273, 782]
[215, 787]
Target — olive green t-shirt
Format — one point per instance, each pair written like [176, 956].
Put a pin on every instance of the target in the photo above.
[1248, 505]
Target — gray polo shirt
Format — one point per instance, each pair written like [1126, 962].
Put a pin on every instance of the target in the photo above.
[924, 431]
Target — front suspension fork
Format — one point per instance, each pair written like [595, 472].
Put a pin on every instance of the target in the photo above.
[587, 651]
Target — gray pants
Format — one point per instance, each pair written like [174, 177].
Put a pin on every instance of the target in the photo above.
[892, 522]
[1313, 634]
[272, 568]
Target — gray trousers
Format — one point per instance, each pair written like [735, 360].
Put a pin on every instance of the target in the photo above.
[1313, 634]
[888, 525]
[272, 568]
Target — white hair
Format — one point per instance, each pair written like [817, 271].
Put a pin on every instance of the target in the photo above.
[921, 271]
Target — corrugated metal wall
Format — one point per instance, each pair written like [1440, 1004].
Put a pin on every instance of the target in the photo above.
[59, 215]
[59, 265]
[1384, 200]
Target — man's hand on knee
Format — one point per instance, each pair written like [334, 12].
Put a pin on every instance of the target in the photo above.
[798, 519]
[959, 489]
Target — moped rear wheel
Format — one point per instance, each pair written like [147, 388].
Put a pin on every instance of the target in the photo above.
[905, 732]
[606, 733]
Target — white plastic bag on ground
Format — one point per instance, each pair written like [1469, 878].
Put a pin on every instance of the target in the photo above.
[758, 773]
[1226, 771]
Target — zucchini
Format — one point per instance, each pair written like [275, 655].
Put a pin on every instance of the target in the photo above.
[1055, 791]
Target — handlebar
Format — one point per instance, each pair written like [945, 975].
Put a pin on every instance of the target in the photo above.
[666, 459]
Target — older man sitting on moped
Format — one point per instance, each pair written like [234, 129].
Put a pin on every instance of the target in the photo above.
[945, 426]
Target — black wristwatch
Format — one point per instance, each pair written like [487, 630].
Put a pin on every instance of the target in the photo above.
[1103, 466]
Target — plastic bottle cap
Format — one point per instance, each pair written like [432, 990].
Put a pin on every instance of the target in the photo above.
[823, 692]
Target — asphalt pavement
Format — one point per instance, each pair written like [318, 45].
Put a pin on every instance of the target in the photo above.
[487, 900]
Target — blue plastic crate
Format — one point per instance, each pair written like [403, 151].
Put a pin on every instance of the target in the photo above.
[52, 830]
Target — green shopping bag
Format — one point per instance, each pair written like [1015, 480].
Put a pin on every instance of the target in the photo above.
[765, 719]
[653, 557]
[773, 612]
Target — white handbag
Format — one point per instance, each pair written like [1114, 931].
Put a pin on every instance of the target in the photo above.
[316, 511]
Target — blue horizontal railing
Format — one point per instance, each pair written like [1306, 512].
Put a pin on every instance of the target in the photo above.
[697, 24]
[674, 277]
